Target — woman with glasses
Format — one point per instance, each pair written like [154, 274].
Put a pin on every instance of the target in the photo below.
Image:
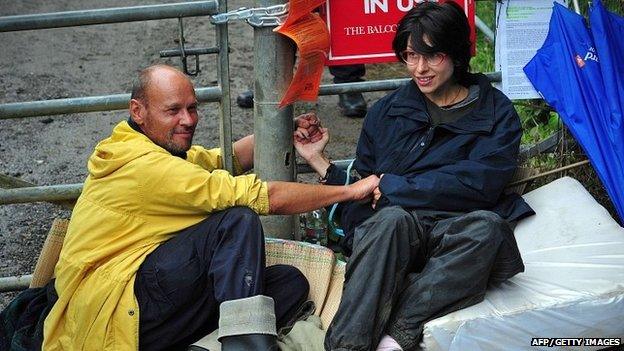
[437, 231]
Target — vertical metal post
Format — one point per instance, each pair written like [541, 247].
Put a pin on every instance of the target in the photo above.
[577, 8]
[225, 108]
[274, 157]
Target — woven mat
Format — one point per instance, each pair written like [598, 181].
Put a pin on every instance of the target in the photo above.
[44, 269]
[314, 261]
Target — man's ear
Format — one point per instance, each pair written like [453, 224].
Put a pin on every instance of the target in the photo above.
[137, 111]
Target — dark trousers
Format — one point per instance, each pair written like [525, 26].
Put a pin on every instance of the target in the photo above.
[180, 285]
[347, 73]
[406, 270]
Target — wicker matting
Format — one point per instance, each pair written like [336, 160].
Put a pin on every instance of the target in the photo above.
[44, 269]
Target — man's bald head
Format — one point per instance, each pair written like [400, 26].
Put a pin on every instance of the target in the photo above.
[147, 76]
[164, 106]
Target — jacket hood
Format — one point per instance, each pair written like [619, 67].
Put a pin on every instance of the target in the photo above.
[123, 146]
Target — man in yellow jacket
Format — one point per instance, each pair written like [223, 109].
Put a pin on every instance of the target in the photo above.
[160, 235]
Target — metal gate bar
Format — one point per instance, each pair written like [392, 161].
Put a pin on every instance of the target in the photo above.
[225, 108]
[211, 94]
[110, 15]
[85, 104]
[20, 282]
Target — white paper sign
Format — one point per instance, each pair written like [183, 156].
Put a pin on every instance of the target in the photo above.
[522, 26]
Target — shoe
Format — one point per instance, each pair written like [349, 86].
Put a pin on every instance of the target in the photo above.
[352, 105]
[248, 324]
[250, 342]
[245, 99]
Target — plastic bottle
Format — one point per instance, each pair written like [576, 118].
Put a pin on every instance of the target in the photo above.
[315, 227]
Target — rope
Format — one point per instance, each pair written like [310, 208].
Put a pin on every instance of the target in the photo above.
[561, 169]
[330, 217]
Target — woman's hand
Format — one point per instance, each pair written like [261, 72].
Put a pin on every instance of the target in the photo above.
[310, 138]
[377, 194]
[307, 128]
[311, 150]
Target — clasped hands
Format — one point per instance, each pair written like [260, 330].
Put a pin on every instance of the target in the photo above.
[310, 140]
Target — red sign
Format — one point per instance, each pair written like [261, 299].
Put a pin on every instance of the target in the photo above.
[361, 31]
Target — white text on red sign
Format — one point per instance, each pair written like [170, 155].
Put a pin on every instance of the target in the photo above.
[372, 6]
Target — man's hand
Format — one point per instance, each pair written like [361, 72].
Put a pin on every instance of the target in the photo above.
[363, 188]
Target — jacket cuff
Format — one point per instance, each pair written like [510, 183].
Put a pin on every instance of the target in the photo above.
[262, 203]
[335, 175]
[238, 168]
[390, 184]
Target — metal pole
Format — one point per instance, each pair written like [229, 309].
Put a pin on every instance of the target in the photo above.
[40, 193]
[85, 104]
[378, 85]
[225, 108]
[577, 8]
[8, 182]
[188, 52]
[21, 282]
[489, 34]
[111, 15]
[274, 157]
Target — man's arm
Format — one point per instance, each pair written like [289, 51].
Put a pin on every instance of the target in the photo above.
[291, 198]
[244, 151]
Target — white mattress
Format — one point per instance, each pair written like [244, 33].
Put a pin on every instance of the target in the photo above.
[572, 287]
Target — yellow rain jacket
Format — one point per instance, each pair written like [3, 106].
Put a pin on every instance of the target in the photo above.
[135, 197]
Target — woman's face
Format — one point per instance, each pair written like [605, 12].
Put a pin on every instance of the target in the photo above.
[432, 77]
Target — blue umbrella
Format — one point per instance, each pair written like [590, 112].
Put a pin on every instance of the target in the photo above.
[608, 33]
[571, 73]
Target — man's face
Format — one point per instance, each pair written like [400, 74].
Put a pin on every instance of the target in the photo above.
[169, 115]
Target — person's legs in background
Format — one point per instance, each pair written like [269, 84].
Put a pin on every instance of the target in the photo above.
[351, 104]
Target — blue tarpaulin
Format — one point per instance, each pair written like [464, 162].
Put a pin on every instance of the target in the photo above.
[580, 72]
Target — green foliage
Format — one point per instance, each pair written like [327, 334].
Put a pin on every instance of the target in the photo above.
[484, 59]
[537, 123]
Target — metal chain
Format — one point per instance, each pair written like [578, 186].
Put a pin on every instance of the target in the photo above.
[257, 17]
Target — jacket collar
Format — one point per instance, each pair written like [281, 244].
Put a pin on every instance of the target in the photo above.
[137, 128]
[409, 102]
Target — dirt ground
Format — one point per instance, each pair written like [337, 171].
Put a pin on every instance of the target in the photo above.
[101, 60]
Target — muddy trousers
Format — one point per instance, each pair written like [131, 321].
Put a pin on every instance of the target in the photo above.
[405, 271]
[347, 73]
[181, 284]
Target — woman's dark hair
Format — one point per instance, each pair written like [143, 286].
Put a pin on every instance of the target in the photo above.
[446, 27]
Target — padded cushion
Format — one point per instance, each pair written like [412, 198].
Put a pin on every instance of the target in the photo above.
[573, 286]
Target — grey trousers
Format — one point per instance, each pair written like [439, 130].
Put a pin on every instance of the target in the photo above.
[409, 267]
